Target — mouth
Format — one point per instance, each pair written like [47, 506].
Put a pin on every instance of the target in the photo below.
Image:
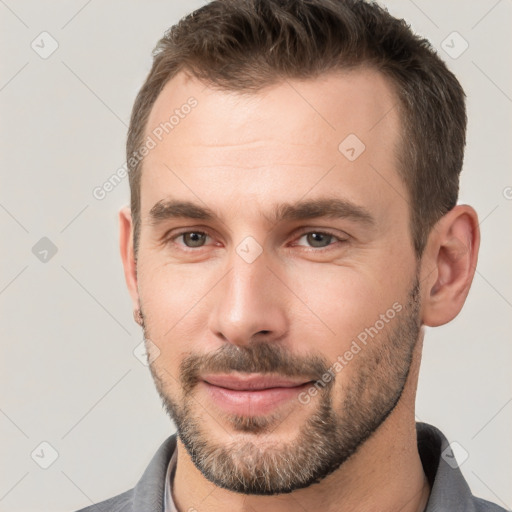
[252, 394]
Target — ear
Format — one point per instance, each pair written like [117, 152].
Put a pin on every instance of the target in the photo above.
[127, 254]
[448, 265]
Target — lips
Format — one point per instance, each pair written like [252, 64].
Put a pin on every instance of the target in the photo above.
[252, 394]
[252, 382]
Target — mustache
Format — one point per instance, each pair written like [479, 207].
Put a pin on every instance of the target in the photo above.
[254, 358]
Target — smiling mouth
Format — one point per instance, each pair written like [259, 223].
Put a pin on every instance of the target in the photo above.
[252, 394]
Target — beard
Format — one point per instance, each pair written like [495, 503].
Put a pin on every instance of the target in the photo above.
[331, 434]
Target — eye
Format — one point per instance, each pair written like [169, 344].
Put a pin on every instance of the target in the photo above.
[318, 239]
[192, 239]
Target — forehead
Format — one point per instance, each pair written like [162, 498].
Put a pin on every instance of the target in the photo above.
[279, 140]
[337, 102]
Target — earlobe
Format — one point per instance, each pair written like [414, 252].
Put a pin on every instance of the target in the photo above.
[127, 254]
[452, 251]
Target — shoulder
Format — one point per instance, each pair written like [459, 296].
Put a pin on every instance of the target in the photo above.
[148, 493]
[486, 506]
[449, 489]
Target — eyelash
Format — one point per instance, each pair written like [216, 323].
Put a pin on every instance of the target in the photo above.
[298, 236]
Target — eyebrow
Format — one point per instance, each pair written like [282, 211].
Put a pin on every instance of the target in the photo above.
[302, 210]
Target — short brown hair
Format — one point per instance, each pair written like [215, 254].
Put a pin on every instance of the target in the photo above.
[245, 45]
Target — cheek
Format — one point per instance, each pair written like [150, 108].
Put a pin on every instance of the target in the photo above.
[342, 302]
[171, 297]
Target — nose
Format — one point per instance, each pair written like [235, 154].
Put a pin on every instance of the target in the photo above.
[250, 304]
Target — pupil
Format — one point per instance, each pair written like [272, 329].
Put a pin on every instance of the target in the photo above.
[319, 239]
[194, 239]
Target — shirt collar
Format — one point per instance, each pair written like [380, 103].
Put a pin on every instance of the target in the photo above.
[169, 505]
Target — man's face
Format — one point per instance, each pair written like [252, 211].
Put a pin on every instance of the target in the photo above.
[272, 257]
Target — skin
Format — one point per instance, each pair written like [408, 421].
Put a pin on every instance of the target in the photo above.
[239, 155]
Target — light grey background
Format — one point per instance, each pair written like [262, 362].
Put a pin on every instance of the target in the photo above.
[68, 373]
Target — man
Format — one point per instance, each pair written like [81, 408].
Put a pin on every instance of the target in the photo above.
[294, 173]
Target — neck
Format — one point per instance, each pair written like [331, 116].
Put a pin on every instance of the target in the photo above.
[385, 474]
